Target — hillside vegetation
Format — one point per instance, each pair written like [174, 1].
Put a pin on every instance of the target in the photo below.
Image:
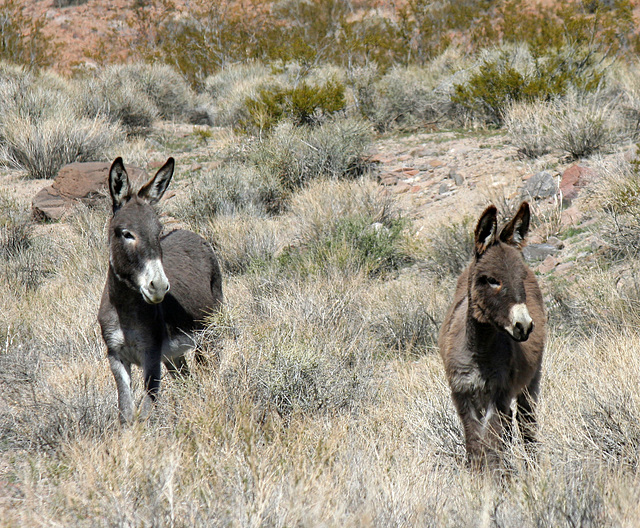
[326, 402]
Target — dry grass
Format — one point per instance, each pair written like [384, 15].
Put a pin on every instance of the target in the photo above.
[328, 408]
[327, 404]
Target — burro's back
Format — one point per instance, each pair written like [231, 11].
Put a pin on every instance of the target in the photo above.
[158, 292]
[492, 340]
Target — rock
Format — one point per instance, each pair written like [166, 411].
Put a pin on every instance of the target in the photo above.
[555, 242]
[548, 264]
[574, 179]
[76, 182]
[444, 188]
[437, 163]
[455, 176]
[388, 179]
[540, 185]
[538, 252]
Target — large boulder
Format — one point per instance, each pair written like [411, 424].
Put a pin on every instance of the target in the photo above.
[86, 183]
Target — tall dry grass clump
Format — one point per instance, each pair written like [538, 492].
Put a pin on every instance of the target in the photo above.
[41, 128]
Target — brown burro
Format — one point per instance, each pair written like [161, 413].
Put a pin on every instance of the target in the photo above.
[492, 340]
[159, 289]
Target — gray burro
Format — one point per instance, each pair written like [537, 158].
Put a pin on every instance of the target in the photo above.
[158, 292]
[492, 340]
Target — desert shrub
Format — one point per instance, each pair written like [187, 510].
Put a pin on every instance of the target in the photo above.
[617, 193]
[243, 241]
[584, 125]
[297, 155]
[355, 245]
[301, 377]
[450, 248]
[303, 104]
[40, 129]
[118, 96]
[225, 93]
[22, 40]
[405, 314]
[15, 230]
[345, 226]
[229, 190]
[529, 127]
[407, 97]
[165, 87]
[402, 98]
[26, 260]
[43, 148]
[517, 75]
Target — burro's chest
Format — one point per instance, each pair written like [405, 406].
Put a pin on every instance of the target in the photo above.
[133, 339]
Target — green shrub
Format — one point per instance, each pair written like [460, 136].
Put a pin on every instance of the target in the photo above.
[302, 104]
[500, 82]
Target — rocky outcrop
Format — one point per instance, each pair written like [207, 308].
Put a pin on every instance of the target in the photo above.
[77, 182]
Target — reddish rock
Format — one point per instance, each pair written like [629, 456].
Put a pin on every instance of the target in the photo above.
[437, 163]
[388, 179]
[548, 264]
[402, 187]
[380, 158]
[76, 182]
[411, 172]
[574, 179]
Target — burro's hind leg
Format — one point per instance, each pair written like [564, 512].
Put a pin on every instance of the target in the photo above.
[122, 374]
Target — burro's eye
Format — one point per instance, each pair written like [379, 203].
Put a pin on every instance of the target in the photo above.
[127, 235]
[493, 282]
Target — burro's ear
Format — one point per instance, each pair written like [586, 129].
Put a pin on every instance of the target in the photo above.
[155, 188]
[486, 229]
[119, 185]
[516, 230]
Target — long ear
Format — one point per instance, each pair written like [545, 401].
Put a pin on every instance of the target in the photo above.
[516, 231]
[119, 185]
[486, 230]
[155, 188]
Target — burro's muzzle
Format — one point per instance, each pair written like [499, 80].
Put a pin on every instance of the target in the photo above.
[153, 282]
[521, 323]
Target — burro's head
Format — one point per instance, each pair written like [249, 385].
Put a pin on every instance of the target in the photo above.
[135, 255]
[498, 274]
